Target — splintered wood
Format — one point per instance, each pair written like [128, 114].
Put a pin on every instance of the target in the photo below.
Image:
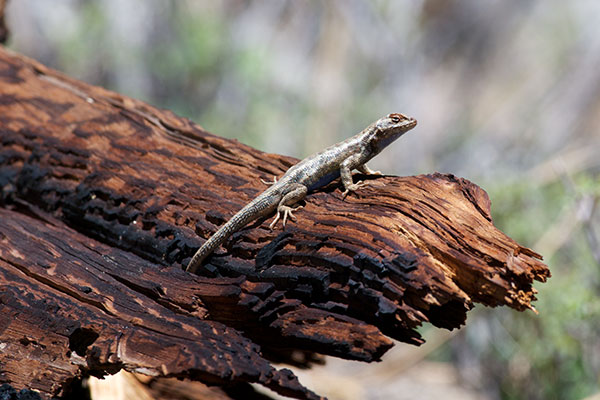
[104, 199]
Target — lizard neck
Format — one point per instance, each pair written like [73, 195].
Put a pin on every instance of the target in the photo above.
[379, 139]
[372, 140]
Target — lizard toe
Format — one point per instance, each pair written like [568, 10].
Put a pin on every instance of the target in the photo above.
[274, 181]
[272, 224]
[288, 213]
[352, 188]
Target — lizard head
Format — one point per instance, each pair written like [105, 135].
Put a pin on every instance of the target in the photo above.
[390, 128]
[395, 123]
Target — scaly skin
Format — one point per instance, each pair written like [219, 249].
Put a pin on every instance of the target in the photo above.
[309, 174]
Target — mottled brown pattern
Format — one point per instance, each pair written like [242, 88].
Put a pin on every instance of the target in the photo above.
[103, 199]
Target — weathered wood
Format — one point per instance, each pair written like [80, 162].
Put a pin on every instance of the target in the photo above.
[139, 189]
[67, 311]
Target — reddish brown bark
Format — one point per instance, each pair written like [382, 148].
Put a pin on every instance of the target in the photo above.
[105, 198]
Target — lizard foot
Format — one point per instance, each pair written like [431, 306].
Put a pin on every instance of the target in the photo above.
[269, 183]
[287, 212]
[352, 188]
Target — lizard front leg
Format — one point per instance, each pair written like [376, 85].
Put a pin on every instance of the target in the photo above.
[367, 171]
[346, 173]
[295, 192]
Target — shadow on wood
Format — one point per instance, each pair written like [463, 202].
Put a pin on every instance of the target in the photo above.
[105, 198]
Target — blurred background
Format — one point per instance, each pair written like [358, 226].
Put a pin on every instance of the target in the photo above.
[507, 95]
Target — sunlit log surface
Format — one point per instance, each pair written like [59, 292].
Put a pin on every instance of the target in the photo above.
[104, 200]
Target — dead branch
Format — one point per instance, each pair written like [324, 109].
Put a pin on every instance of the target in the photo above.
[104, 198]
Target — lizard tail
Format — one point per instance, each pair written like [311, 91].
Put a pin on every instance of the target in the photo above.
[258, 208]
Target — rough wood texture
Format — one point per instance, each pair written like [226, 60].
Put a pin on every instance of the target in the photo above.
[105, 198]
[70, 303]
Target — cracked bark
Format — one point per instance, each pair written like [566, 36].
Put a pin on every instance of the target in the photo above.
[104, 198]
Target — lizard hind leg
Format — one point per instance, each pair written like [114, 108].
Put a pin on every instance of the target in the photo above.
[295, 193]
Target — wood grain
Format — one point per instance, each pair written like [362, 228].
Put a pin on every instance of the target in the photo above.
[105, 198]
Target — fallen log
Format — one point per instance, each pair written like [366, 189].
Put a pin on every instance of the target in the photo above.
[104, 199]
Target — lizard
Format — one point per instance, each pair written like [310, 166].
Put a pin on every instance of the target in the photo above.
[309, 174]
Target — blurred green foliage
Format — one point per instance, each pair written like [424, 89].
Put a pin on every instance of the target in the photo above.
[556, 354]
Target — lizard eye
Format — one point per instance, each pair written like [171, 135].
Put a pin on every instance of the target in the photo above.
[395, 120]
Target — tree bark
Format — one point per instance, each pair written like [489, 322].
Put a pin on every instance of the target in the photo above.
[104, 199]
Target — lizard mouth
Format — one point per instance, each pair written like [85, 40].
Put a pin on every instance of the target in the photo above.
[408, 124]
